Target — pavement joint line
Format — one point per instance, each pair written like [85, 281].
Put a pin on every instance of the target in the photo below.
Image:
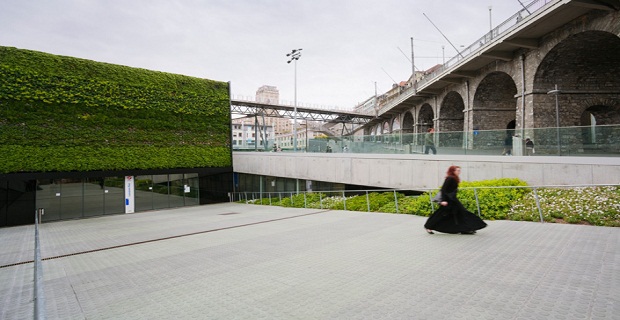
[160, 239]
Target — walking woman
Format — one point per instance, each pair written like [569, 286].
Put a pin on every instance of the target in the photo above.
[452, 217]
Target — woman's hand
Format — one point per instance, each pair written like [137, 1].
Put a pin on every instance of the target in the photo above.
[444, 203]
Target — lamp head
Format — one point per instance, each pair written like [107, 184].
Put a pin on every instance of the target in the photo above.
[294, 55]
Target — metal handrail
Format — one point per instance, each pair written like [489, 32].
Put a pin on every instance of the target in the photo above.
[243, 196]
[38, 292]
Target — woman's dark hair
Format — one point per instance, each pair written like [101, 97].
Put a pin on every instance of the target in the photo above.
[451, 173]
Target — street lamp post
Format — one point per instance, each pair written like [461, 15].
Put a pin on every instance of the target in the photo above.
[556, 92]
[413, 79]
[443, 55]
[490, 20]
[294, 56]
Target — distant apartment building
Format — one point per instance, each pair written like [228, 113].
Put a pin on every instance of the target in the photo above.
[373, 104]
[369, 106]
[305, 133]
[247, 135]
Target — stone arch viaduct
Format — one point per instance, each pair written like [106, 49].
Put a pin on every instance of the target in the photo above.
[504, 81]
[501, 83]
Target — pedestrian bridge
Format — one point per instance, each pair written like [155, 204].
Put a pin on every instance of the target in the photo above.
[420, 171]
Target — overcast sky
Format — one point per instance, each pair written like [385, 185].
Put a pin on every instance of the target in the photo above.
[347, 45]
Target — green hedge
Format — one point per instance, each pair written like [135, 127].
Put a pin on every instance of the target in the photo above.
[495, 202]
[65, 114]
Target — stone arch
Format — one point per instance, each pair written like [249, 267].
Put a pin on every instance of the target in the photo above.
[385, 127]
[594, 121]
[584, 66]
[395, 125]
[407, 127]
[510, 127]
[373, 130]
[494, 102]
[425, 117]
[425, 121]
[605, 112]
[451, 117]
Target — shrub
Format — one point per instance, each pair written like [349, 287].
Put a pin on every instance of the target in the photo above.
[333, 203]
[418, 205]
[374, 202]
[598, 206]
[494, 202]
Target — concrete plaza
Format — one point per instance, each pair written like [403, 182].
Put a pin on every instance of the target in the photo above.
[237, 261]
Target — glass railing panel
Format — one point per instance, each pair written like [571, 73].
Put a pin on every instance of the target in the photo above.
[599, 141]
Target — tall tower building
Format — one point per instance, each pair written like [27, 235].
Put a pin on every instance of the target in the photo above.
[271, 95]
[268, 94]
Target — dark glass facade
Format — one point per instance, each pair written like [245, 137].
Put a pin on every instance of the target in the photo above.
[255, 183]
[81, 195]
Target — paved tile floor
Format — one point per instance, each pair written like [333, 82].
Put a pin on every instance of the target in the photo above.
[236, 261]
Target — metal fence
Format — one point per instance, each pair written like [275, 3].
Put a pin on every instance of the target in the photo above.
[270, 198]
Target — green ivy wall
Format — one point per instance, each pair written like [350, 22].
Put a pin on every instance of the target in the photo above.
[61, 113]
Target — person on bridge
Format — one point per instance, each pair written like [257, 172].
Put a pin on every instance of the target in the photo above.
[507, 146]
[429, 141]
[529, 147]
[452, 217]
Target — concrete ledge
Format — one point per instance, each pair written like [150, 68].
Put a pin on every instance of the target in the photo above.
[403, 171]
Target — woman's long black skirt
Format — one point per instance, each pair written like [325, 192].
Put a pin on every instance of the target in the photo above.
[454, 218]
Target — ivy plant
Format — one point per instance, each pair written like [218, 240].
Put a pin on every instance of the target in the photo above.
[67, 114]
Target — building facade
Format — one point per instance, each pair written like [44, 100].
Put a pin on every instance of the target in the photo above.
[81, 138]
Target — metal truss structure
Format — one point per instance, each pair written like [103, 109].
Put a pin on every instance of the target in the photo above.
[251, 108]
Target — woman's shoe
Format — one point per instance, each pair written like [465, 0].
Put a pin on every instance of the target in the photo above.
[430, 231]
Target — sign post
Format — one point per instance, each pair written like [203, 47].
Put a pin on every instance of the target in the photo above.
[129, 194]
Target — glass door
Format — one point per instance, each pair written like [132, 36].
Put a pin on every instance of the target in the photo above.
[71, 191]
[48, 198]
[191, 192]
[160, 191]
[177, 190]
[93, 197]
[114, 195]
[144, 193]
